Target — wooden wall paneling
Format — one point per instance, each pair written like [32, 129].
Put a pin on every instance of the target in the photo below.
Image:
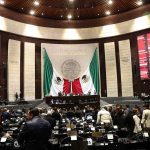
[4, 60]
[135, 66]
[102, 70]
[1, 68]
[118, 68]
[29, 19]
[22, 69]
[38, 92]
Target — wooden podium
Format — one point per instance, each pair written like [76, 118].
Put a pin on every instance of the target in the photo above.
[71, 101]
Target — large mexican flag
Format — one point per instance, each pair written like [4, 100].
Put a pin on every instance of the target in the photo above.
[88, 82]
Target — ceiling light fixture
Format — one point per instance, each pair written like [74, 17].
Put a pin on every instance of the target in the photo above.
[110, 2]
[107, 12]
[2, 2]
[36, 3]
[69, 16]
[32, 12]
[71, 0]
[140, 2]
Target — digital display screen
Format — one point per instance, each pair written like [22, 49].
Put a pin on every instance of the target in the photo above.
[144, 55]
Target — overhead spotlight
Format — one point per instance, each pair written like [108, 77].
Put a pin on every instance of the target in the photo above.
[107, 12]
[32, 12]
[36, 3]
[140, 2]
[71, 0]
[110, 2]
[2, 2]
[69, 16]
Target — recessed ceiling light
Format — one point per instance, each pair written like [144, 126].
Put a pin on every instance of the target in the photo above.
[110, 2]
[32, 12]
[42, 14]
[71, 0]
[140, 2]
[2, 2]
[36, 3]
[107, 12]
[69, 16]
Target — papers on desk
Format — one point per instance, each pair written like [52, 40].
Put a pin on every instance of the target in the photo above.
[115, 127]
[55, 131]
[146, 135]
[89, 141]
[110, 136]
[3, 139]
[92, 128]
[73, 138]
[68, 129]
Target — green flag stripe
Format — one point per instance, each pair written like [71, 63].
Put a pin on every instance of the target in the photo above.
[94, 71]
[48, 74]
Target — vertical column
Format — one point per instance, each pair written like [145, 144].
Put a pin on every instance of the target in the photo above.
[102, 70]
[13, 68]
[22, 69]
[137, 86]
[126, 68]
[111, 72]
[1, 68]
[29, 71]
[38, 71]
[118, 69]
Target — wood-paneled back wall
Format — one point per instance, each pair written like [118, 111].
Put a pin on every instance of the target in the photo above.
[20, 65]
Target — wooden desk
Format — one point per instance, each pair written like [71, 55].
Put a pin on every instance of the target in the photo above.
[71, 101]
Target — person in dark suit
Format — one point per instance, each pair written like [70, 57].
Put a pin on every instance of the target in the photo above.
[56, 115]
[35, 133]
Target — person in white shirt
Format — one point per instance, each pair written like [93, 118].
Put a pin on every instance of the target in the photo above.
[137, 121]
[104, 116]
[146, 118]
